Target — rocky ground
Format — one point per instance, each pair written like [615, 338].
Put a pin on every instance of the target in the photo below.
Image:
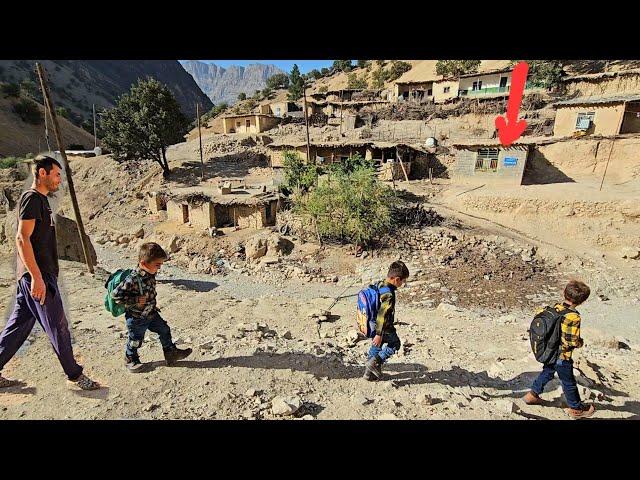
[259, 354]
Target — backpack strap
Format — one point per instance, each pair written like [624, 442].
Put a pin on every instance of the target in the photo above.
[140, 285]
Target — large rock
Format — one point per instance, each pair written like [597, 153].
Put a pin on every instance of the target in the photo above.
[137, 233]
[285, 406]
[255, 247]
[9, 232]
[173, 246]
[68, 240]
[277, 245]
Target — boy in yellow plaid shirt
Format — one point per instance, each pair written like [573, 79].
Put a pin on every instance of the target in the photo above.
[575, 293]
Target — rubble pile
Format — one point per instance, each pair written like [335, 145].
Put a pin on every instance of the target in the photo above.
[470, 271]
[416, 215]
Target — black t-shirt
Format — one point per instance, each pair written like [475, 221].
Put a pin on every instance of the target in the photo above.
[35, 206]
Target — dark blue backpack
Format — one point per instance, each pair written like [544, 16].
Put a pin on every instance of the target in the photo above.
[368, 306]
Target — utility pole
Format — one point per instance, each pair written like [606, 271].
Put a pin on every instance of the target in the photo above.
[200, 137]
[341, 108]
[306, 121]
[67, 170]
[95, 135]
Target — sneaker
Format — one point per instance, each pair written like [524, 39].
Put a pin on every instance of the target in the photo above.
[172, 355]
[134, 365]
[532, 398]
[6, 383]
[585, 411]
[85, 383]
[368, 375]
[373, 369]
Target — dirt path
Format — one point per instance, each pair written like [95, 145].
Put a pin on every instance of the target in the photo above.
[457, 364]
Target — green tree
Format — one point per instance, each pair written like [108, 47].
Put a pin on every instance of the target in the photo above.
[351, 206]
[267, 92]
[342, 66]
[218, 109]
[362, 63]
[28, 111]
[378, 77]
[397, 69]
[242, 96]
[544, 73]
[455, 68]
[11, 90]
[62, 112]
[296, 84]
[315, 73]
[324, 71]
[144, 123]
[297, 175]
[28, 88]
[279, 80]
[355, 82]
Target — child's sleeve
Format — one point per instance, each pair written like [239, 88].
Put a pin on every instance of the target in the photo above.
[571, 330]
[126, 292]
[385, 312]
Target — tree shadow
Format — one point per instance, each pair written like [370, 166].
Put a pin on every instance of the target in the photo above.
[540, 171]
[197, 285]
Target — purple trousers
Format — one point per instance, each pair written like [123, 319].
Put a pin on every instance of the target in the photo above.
[50, 316]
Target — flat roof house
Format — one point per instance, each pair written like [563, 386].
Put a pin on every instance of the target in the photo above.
[248, 123]
[489, 162]
[605, 115]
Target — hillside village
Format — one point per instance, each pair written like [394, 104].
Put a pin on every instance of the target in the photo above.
[267, 299]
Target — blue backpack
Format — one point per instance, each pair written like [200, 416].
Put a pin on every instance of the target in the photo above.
[368, 306]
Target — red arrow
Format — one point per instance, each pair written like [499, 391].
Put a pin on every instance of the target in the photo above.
[511, 129]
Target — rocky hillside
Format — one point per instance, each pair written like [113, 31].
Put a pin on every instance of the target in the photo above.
[224, 84]
[77, 84]
[19, 138]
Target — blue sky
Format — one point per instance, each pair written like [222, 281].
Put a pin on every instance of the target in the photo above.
[305, 66]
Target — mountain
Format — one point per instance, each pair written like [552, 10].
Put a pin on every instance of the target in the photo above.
[224, 84]
[19, 138]
[77, 84]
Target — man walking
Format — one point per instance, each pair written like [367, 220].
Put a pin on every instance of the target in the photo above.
[38, 296]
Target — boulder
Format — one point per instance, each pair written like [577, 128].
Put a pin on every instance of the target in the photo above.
[277, 245]
[139, 233]
[68, 241]
[255, 247]
[285, 406]
[173, 246]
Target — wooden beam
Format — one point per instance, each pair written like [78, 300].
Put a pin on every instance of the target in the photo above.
[72, 192]
[406, 177]
[200, 138]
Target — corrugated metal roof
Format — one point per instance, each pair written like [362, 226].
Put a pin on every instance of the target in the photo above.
[599, 99]
[338, 144]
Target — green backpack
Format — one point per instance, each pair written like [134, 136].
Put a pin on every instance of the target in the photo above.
[115, 279]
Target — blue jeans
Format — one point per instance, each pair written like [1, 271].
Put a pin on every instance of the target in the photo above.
[390, 345]
[137, 327]
[565, 374]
